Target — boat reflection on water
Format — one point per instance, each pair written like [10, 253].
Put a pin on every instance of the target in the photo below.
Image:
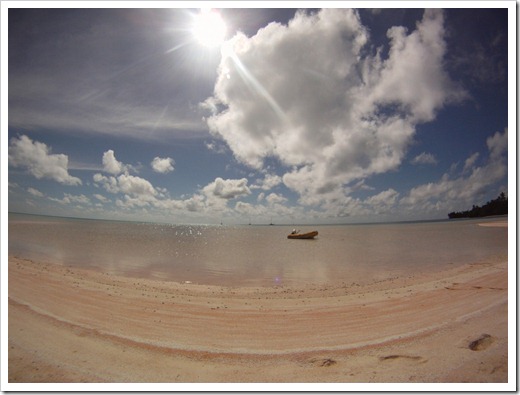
[255, 255]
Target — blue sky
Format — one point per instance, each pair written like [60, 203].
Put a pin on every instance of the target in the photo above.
[296, 116]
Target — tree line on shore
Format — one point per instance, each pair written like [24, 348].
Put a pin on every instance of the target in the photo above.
[496, 206]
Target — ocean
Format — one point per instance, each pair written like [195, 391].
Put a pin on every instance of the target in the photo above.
[249, 255]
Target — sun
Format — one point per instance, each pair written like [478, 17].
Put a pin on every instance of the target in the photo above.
[209, 29]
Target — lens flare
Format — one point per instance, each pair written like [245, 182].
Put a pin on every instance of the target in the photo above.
[251, 82]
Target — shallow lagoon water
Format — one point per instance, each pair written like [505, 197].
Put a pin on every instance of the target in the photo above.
[255, 255]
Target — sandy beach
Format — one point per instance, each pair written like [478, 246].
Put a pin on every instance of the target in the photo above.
[75, 325]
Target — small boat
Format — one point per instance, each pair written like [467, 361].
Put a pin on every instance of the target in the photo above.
[308, 235]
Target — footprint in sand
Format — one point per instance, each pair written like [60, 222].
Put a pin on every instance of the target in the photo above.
[323, 362]
[403, 357]
[481, 343]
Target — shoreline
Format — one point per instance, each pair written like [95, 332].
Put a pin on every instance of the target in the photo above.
[495, 224]
[71, 325]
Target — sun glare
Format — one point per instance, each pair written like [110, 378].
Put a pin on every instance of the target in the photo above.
[209, 28]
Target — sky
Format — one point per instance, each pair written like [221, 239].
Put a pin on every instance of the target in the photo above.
[257, 115]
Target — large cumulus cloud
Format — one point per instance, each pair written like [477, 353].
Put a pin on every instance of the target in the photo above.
[316, 96]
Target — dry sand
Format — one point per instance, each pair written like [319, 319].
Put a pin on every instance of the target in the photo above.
[72, 325]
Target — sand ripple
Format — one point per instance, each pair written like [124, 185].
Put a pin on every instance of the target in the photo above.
[68, 324]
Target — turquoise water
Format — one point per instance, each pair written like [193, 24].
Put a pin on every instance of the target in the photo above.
[255, 255]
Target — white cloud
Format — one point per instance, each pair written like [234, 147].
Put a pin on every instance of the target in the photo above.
[497, 144]
[251, 210]
[344, 206]
[109, 183]
[470, 162]
[137, 191]
[37, 159]
[81, 199]
[162, 165]
[413, 76]
[91, 79]
[424, 158]
[111, 164]
[132, 201]
[360, 185]
[453, 193]
[101, 198]
[312, 96]
[227, 189]
[13, 186]
[216, 146]
[274, 198]
[193, 204]
[136, 186]
[383, 201]
[35, 192]
[482, 60]
[70, 199]
[269, 182]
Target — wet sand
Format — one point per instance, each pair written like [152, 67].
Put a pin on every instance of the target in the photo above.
[72, 325]
[495, 224]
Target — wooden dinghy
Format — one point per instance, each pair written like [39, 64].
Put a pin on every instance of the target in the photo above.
[308, 235]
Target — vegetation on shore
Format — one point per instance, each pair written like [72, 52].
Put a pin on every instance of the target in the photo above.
[497, 206]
